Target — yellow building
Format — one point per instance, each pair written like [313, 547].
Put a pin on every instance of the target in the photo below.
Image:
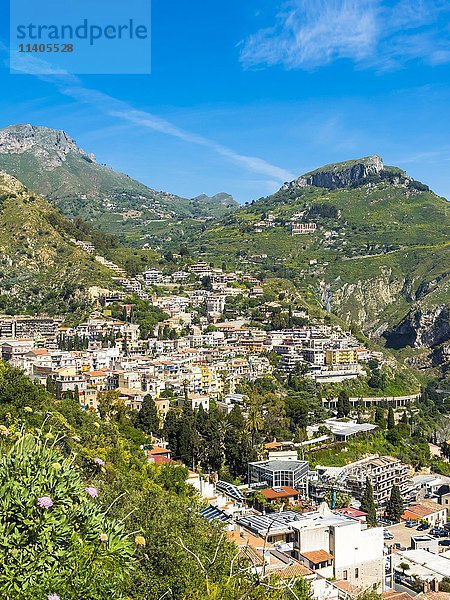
[162, 406]
[341, 356]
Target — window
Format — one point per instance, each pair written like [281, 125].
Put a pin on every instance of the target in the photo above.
[356, 573]
[345, 575]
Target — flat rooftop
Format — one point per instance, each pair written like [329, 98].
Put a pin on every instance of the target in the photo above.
[281, 465]
[423, 562]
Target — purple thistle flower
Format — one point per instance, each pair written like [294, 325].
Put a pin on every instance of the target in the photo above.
[45, 502]
[92, 491]
[99, 462]
[53, 597]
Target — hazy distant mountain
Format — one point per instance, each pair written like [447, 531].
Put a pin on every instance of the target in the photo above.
[50, 162]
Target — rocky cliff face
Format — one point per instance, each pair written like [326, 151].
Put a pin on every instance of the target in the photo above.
[340, 175]
[51, 146]
[364, 301]
[422, 328]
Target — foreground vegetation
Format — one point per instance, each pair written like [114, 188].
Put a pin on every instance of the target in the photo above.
[84, 515]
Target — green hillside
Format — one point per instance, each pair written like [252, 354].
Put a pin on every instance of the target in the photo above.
[381, 248]
[50, 163]
[41, 268]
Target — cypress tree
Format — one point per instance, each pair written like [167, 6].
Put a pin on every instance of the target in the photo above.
[391, 419]
[343, 404]
[368, 504]
[147, 418]
[394, 506]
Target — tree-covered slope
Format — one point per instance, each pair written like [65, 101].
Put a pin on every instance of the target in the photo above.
[84, 515]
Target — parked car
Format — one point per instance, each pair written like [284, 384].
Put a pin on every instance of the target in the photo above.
[387, 535]
[444, 542]
[437, 532]
[410, 524]
[423, 526]
[399, 547]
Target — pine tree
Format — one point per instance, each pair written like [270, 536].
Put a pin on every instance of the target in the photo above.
[76, 394]
[391, 419]
[394, 506]
[368, 504]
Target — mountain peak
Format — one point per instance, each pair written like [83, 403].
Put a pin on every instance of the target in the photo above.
[343, 174]
[51, 145]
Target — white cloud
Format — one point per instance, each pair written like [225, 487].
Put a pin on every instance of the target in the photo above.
[310, 33]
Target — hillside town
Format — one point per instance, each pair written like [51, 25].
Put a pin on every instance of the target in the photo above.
[337, 526]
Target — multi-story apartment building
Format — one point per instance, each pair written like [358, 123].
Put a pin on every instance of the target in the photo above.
[20, 327]
[152, 276]
[384, 472]
[341, 356]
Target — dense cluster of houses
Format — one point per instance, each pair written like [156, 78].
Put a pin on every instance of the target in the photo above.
[204, 361]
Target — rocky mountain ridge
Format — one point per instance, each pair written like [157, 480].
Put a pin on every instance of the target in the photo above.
[349, 174]
[51, 163]
[374, 249]
[50, 145]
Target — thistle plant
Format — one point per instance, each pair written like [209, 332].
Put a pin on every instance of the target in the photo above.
[55, 539]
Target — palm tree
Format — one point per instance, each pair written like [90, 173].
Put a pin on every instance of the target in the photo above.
[255, 421]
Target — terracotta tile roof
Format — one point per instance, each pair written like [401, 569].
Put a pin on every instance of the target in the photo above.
[348, 588]
[317, 556]
[272, 445]
[294, 570]
[396, 595]
[158, 450]
[421, 510]
[245, 538]
[351, 512]
[251, 554]
[272, 494]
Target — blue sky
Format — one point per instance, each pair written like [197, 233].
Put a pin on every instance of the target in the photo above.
[244, 95]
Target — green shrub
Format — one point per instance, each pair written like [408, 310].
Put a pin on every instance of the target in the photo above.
[54, 537]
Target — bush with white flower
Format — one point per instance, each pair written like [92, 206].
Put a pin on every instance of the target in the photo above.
[56, 542]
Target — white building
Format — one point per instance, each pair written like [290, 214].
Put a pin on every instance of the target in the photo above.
[152, 276]
[339, 546]
[302, 228]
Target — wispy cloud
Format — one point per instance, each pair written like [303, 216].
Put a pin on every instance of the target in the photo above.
[307, 34]
[72, 86]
